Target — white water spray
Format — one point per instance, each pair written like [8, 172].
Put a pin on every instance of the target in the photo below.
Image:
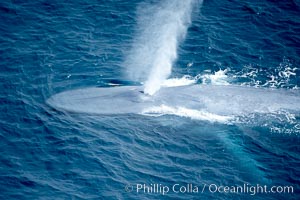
[161, 27]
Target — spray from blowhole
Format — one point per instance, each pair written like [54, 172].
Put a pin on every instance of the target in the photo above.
[160, 29]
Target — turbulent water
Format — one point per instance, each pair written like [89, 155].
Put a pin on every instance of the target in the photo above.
[245, 136]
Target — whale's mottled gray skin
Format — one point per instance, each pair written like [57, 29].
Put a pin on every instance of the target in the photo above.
[221, 100]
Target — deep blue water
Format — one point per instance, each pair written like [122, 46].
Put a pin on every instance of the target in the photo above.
[51, 46]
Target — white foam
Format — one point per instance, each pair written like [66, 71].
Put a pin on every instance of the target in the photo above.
[282, 76]
[186, 112]
[218, 78]
[174, 82]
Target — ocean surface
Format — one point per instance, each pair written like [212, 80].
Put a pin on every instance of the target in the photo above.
[48, 47]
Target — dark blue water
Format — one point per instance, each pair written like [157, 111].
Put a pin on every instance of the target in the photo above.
[51, 46]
